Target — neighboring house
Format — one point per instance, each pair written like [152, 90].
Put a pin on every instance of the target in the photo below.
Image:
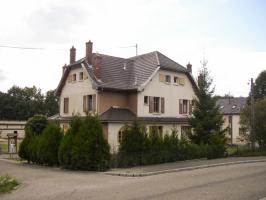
[149, 87]
[7, 127]
[230, 108]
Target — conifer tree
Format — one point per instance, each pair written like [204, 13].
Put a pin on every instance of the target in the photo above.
[206, 120]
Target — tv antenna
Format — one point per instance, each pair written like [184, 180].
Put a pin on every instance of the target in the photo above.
[133, 46]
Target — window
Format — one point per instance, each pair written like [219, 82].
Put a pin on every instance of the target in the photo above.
[167, 78]
[146, 100]
[69, 79]
[185, 106]
[156, 130]
[80, 76]
[66, 105]
[74, 78]
[161, 78]
[156, 104]
[176, 80]
[89, 103]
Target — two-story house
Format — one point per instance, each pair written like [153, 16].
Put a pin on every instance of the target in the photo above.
[149, 87]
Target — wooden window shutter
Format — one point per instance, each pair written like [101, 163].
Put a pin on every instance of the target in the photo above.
[180, 106]
[84, 103]
[182, 81]
[151, 104]
[190, 107]
[162, 104]
[161, 77]
[94, 102]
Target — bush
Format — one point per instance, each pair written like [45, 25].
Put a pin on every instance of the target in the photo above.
[33, 127]
[216, 147]
[47, 151]
[84, 146]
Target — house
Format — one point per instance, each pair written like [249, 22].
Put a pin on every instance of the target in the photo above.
[230, 107]
[14, 127]
[149, 87]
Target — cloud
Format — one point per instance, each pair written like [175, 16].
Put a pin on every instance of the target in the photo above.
[2, 76]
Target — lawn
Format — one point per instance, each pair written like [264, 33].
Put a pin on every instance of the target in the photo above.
[7, 183]
[243, 151]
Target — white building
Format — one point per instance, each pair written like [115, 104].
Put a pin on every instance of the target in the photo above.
[149, 87]
[230, 108]
[7, 127]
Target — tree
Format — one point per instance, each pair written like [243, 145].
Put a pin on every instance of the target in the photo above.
[51, 103]
[259, 122]
[85, 148]
[206, 120]
[260, 86]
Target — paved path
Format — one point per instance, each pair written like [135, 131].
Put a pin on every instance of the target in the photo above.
[242, 181]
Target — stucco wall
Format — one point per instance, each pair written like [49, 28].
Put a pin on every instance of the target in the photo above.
[235, 128]
[7, 127]
[113, 129]
[75, 92]
[171, 92]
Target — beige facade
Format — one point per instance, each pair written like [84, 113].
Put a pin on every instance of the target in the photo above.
[172, 93]
[74, 91]
[232, 122]
[7, 127]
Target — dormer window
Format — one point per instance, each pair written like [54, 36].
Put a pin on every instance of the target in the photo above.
[167, 78]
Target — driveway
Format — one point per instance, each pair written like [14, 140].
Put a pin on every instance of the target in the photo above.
[242, 181]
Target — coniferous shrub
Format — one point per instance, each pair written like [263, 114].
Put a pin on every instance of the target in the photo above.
[84, 146]
[48, 144]
[33, 127]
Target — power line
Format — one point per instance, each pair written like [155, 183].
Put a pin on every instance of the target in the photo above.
[19, 47]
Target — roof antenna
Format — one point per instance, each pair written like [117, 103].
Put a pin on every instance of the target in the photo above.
[135, 46]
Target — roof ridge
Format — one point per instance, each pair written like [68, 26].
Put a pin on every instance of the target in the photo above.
[141, 55]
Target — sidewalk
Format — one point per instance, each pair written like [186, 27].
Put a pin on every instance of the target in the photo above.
[181, 166]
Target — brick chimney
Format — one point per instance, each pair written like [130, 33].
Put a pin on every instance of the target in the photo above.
[97, 66]
[189, 67]
[89, 52]
[72, 55]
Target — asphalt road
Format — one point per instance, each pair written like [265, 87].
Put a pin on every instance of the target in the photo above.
[242, 181]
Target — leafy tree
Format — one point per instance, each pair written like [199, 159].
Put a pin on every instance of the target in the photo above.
[206, 120]
[51, 103]
[259, 122]
[260, 86]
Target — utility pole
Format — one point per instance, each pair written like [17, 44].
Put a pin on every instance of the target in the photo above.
[252, 120]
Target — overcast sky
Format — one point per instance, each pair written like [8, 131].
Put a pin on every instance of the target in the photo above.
[230, 33]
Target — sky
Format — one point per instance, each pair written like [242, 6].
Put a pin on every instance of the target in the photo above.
[230, 34]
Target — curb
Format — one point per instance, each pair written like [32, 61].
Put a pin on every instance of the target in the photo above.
[182, 169]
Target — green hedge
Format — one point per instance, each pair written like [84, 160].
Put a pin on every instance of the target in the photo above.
[84, 146]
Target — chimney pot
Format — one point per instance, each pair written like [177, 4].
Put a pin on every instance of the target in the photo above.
[89, 52]
[189, 67]
[72, 55]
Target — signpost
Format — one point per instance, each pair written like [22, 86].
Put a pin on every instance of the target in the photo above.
[12, 144]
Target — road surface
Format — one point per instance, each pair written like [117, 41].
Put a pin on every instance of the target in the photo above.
[242, 181]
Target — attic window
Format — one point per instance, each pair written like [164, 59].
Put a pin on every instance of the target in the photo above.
[74, 77]
[233, 107]
[167, 78]
[221, 107]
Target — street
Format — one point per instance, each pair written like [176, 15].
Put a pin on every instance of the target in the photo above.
[242, 181]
